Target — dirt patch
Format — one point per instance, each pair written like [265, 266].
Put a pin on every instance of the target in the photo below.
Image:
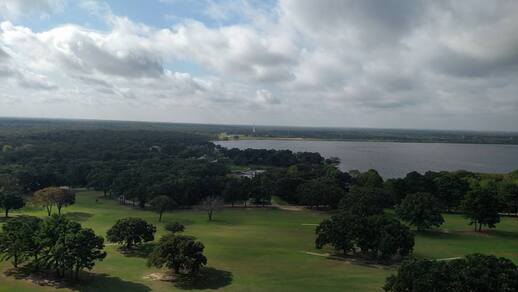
[449, 259]
[159, 277]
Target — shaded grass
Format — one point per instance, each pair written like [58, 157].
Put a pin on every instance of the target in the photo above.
[256, 250]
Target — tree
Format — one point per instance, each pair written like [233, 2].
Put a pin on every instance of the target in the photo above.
[183, 254]
[100, 179]
[233, 189]
[131, 231]
[10, 194]
[162, 204]
[63, 198]
[474, 273]
[383, 237]
[481, 206]
[211, 204]
[320, 192]
[370, 179]
[261, 189]
[378, 236]
[363, 201]
[420, 210]
[508, 191]
[451, 189]
[85, 248]
[46, 198]
[174, 227]
[69, 247]
[17, 240]
[337, 232]
[11, 201]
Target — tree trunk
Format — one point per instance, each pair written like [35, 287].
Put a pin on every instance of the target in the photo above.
[15, 261]
[210, 215]
[160, 217]
[76, 275]
[36, 263]
[59, 209]
[6, 212]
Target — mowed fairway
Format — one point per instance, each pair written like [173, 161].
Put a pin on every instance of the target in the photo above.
[258, 250]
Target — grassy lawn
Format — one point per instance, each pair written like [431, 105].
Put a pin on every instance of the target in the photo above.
[258, 249]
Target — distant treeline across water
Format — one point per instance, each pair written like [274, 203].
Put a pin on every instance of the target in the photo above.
[392, 159]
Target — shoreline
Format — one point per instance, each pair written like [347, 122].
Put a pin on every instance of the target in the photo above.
[262, 138]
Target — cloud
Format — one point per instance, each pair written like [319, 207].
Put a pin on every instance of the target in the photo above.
[96, 7]
[337, 63]
[237, 51]
[264, 96]
[14, 9]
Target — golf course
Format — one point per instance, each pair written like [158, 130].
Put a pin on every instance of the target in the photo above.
[252, 249]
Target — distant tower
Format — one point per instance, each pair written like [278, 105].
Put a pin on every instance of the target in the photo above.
[253, 130]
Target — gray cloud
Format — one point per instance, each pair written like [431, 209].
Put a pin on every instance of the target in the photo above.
[339, 63]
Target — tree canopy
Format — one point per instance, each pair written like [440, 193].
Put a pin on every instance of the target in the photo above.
[420, 210]
[183, 254]
[131, 231]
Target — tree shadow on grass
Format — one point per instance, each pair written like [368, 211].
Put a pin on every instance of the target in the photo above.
[78, 216]
[504, 234]
[207, 278]
[87, 282]
[141, 251]
[105, 282]
[437, 234]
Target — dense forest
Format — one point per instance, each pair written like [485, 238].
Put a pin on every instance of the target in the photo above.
[24, 126]
[138, 165]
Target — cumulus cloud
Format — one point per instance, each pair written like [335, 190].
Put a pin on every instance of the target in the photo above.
[264, 96]
[338, 63]
[14, 9]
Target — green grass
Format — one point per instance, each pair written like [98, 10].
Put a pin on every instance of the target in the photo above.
[260, 249]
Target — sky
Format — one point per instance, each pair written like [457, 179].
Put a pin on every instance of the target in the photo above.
[365, 63]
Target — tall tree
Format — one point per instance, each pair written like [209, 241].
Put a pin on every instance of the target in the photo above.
[18, 240]
[482, 206]
[183, 254]
[10, 194]
[320, 192]
[338, 232]
[46, 197]
[369, 179]
[232, 190]
[85, 248]
[364, 201]
[67, 247]
[63, 198]
[420, 210]
[210, 205]
[101, 178]
[162, 204]
[131, 231]
[451, 189]
[508, 192]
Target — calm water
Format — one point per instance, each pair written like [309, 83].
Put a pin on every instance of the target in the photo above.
[397, 159]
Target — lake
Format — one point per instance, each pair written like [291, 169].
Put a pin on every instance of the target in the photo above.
[397, 159]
